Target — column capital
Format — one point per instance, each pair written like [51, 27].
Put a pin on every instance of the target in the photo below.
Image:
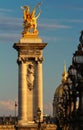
[21, 60]
[39, 59]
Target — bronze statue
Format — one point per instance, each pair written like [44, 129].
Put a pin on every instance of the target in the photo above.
[30, 19]
[81, 37]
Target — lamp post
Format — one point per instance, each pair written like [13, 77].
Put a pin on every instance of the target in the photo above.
[39, 118]
[67, 99]
[77, 63]
[15, 116]
[15, 112]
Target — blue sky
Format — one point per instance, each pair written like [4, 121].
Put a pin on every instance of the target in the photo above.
[59, 25]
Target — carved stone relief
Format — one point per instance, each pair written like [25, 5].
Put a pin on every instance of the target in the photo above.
[30, 76]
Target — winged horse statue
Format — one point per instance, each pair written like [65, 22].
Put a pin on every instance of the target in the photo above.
[30, 18]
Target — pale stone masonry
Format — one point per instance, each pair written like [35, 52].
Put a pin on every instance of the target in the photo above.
[33, 127]
[30, 88]
[7, 127]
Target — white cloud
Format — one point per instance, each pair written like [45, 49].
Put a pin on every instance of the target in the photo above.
[5, 10]
[71, 20]
[7, 107]
[54, 26]
[10, 23]
[76, 7]
[9, 37]
[48, 109]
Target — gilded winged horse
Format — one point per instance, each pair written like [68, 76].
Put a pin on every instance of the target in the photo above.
[30, 19]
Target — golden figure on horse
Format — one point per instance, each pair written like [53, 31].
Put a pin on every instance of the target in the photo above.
[30, 19]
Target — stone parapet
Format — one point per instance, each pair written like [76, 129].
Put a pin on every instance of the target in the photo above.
[7, 127]
[29, 127]
[51, 127]
[35, 127]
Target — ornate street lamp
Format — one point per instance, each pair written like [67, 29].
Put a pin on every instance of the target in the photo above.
[72, 95]
[77, 63]
[39, 118]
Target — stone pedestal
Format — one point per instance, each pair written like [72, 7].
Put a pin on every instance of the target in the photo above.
[29, 127]
[35, 127]
[30, 87]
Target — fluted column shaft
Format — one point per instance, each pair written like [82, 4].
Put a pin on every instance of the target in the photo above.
[40, 86]
[22, 92]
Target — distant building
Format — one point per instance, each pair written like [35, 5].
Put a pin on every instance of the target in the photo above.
[59, 93]
[8, 120]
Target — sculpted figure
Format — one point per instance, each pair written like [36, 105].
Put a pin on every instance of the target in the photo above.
[30, 18]
[26, 11]
[30, 76]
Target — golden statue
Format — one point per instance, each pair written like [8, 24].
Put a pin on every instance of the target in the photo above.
[64, 75]
[30, 20]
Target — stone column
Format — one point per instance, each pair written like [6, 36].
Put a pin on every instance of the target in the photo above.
[40, 85]
[22, 93]
[30, 92]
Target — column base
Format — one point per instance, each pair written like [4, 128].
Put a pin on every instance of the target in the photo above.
[35, 127]
[26, 126]
[25, 123]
